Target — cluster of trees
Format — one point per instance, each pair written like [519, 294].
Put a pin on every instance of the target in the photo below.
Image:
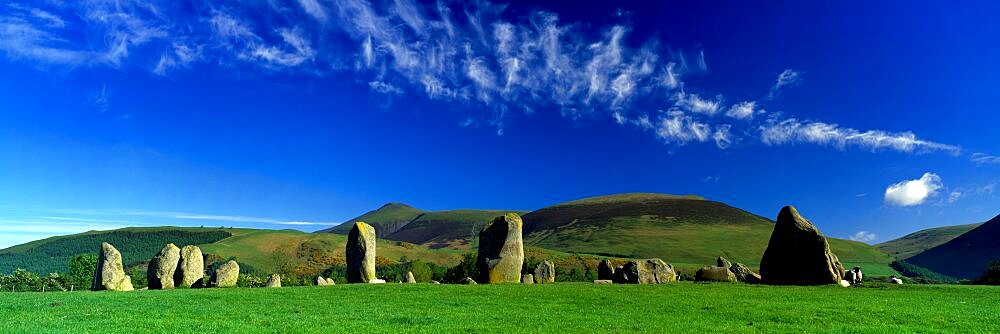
[79, 276]
[920, 275]
[992, 274]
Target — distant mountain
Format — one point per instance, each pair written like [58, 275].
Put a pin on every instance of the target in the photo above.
[264, 251]
[965, 256]
[685, 230]
[387, 219]
[916, 242]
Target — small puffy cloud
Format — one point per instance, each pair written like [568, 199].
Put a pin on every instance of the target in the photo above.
[743, 110]
[913, 192]
[787, 78]
[864, 236]
[697, 104]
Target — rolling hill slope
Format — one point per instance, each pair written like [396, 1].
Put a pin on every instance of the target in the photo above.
[684, 230]
[916, 242]
[387, 219]
[965, 256]
[453, 229]
[266, 251]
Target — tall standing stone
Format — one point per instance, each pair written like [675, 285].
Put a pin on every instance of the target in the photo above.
[798, 254]
[110, 275]
[163, 267]
[361, 253]
[605, 270]
[545, 272]
[410, 278]
[501, 251]
[191, 268]
[274, 281]
[226, 275]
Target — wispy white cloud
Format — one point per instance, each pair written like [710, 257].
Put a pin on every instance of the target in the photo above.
[314, 9]
[787, 78]
[985, 159]
[790, 131]
[697, 104]
[743, 110]
[913, 192]
[864, 236]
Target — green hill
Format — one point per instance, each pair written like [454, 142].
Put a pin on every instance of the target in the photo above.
[387, 219]
[965, 256]
[685, 230]
[137, 244]
[916, 242]
[266, 251]
[452, 229]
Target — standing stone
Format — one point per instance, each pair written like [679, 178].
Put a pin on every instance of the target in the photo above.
[714, 274]
[320, 281]
[545, 272]
[274, 281]
[527, 279]
[410, 278]
[650, 271]
[722, 262]
[605, 270]
[225, 276]
[163, 267]
[501, 251]
[191, 268]
[798, 254]
[744, 274]
[110, 275]
[361, 253]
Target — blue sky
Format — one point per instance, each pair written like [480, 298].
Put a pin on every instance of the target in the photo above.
[874, 119]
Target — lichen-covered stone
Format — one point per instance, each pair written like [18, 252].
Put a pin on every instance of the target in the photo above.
[163, 267]
[109, 274]
[603, 281]
[545, 272]
[469, 281]
[501, 250]
[226, 275]
[274, 281]
[410, 278]
[527, 279]
[650, 271]
[376, 281]
[320, 281]
[605, 270]
[722, 262]
[361, 253]
[744, 274]
[190, 269]
[798, 254]
[714, 274]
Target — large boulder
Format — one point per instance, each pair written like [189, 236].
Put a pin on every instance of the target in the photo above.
[605, 270]
[650, 271]
[361, 253]
[162, 268]
[321, 281]
[410, 278]
[545, 272]
[714, 274]
[527, 279]
[274, 281]
[501, 251]
[798, 254]
[109, 274]
[744, 274]
[190, 269]
[226, 275]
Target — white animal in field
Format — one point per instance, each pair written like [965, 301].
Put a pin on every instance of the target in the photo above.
[854, 275]
[849, 276]
[895, 280]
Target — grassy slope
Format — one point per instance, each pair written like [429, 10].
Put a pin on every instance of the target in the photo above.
[555, 308]
[452, 229]
[684, 230]
[967, 255]
[916, 242]
[386, 219]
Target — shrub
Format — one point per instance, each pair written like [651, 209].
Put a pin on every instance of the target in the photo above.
[992, 274]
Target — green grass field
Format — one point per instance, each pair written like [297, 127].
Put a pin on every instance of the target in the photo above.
[564, 308]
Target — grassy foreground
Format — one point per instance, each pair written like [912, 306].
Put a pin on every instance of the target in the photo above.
[574, 308]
